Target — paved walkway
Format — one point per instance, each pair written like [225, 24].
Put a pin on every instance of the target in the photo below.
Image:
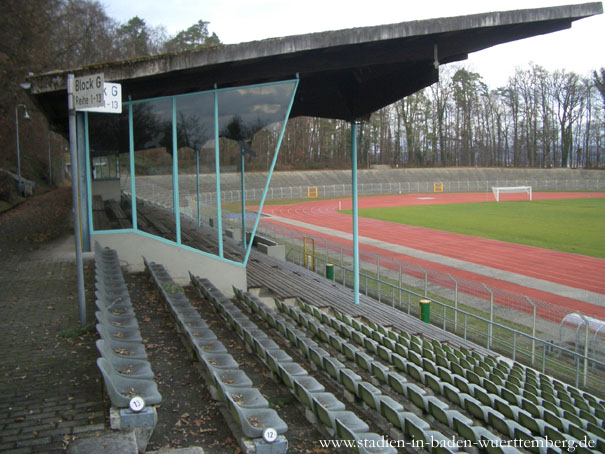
[52, 396]
[50, 387]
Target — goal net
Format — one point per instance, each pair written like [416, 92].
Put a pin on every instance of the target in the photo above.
[498, 190]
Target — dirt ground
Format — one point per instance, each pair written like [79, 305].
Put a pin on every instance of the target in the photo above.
[188, 416]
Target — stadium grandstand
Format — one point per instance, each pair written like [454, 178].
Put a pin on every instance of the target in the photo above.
[294, 360]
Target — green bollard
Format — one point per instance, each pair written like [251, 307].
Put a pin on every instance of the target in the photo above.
[330, 271]
[425, 311]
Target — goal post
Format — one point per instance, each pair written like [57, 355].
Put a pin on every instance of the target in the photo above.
[497, 190]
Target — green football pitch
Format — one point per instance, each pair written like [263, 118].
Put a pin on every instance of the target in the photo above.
[576, 226]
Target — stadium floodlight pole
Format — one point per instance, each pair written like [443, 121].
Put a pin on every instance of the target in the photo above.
[71, 109]
[355, 212]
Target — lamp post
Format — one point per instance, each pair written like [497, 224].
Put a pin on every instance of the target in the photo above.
[25, 117]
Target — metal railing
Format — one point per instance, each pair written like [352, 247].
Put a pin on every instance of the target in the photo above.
[481, 327]
[344, 190]
[148, 189]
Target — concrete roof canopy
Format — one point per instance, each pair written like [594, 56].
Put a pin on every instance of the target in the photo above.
[344, 74]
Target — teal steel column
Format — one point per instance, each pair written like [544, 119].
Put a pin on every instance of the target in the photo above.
[88, 172]
[243, 185]
[197, 183]
[219, 214]
[175, 175]
[355, 212]
[133, 186]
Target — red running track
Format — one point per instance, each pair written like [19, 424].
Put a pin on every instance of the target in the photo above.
[572, 270]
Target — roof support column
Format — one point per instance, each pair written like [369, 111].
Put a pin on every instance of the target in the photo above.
[175, 174]
[197, 185]
[217, 163]
[133, 186]
[243, 186]
[355, 212]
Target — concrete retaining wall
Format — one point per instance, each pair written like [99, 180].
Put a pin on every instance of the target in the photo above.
[178, 262]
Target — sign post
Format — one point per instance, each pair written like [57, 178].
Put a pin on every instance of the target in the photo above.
[71, 110]
[92, 94]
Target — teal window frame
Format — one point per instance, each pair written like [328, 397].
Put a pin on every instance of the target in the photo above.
[175, 177]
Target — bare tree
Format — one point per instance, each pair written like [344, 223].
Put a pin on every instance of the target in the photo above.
[84, 34]
[567, 93]
[25, 26]
[440, 92]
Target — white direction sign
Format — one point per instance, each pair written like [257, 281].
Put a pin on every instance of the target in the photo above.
[88, 91]
[113, 99]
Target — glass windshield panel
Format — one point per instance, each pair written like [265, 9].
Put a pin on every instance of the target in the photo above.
[197, 170]
[109, 171]
[152, 126]
[250, 122]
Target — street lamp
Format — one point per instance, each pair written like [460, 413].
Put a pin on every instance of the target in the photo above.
[25, 117]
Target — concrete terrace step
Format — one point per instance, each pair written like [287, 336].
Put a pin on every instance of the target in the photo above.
[119, 443]
[193, 450]
[107, 443]
[286, 179]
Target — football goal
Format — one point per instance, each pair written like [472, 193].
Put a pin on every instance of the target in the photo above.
[497, 190]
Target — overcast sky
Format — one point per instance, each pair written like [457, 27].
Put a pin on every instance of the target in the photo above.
[578, 49]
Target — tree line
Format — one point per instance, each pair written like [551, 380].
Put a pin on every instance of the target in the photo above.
[46, 35]
[539, 119]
